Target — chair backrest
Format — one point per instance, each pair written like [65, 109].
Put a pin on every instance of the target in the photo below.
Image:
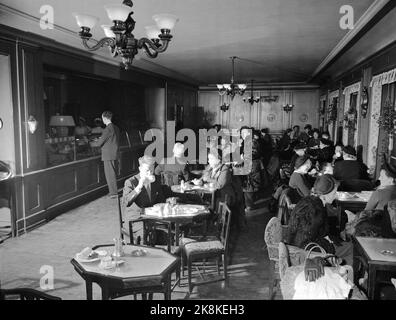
[151, 229]
[170, 179]
[26, 294]
[272, 237]
[225, 223]
[284, 260]
[121, 217]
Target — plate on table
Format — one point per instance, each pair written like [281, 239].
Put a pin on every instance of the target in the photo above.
[112, 265]
[139, 253]
[86, 260]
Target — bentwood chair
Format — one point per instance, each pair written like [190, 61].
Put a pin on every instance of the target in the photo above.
[212, 249]
[25, 294]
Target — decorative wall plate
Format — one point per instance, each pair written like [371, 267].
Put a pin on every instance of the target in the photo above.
[271, 117]
[304, 117]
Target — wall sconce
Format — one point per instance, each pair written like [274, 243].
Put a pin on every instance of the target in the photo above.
[32, 123]
[288, 107]
[224, 107]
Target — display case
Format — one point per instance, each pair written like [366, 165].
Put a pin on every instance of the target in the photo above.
[68, 149]
[60, 150]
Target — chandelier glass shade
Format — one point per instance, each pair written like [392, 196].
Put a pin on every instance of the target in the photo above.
[119, 37]
[231, 89]
[252, 99]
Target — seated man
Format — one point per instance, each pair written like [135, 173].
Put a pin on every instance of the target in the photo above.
[175, 168]
[350, 168]
[143, 191]
[387, 189]
[309, 220]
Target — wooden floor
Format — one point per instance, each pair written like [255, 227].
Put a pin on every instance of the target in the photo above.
[55, 243]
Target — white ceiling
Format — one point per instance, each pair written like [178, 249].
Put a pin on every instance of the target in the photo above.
[287, 38]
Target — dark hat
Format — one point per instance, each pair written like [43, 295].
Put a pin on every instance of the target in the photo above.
[326, 142]
[349, 150]
[325, 184]
[300, 161]
[301, 145]
[389, 168]
[308, 126]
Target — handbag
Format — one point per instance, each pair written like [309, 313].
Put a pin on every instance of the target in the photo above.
[318, 281]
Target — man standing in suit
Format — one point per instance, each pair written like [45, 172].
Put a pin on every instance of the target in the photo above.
[109, 142]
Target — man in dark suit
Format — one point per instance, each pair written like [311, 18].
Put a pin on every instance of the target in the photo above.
[143, 191]
[109, 142]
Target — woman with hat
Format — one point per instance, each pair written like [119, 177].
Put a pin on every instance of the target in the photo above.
[298, 179]
[387, 189]
[309, 222]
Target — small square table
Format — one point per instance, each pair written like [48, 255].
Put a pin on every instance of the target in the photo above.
[352, 201]
[378, 254]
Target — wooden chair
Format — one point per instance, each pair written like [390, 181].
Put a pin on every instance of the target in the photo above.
[205, 250]
[286, 206]
[170, 179]
[25, 294]
[121, 218]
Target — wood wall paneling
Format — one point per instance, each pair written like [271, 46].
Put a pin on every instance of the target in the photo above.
[31, 95]
[262, 114]
[63, 184]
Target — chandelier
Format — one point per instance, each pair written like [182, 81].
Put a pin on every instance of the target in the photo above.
[252, 99]
[288, 102]
[119, 37]
[232, 89]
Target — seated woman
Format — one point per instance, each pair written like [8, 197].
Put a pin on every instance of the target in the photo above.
[298, 179]
[309, 222]
[338, 153]
[387, 189]
[313, 142]
[219, 176]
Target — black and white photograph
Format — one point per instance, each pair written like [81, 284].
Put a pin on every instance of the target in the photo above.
[193, 157]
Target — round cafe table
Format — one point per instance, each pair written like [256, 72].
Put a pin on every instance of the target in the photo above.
[150, 273]
[205, 189]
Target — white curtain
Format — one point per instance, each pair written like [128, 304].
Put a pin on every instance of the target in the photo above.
[375, 108]
[347, 93]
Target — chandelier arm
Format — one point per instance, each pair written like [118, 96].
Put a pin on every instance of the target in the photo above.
[148, 52]
[99, 44]
[152, 45]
